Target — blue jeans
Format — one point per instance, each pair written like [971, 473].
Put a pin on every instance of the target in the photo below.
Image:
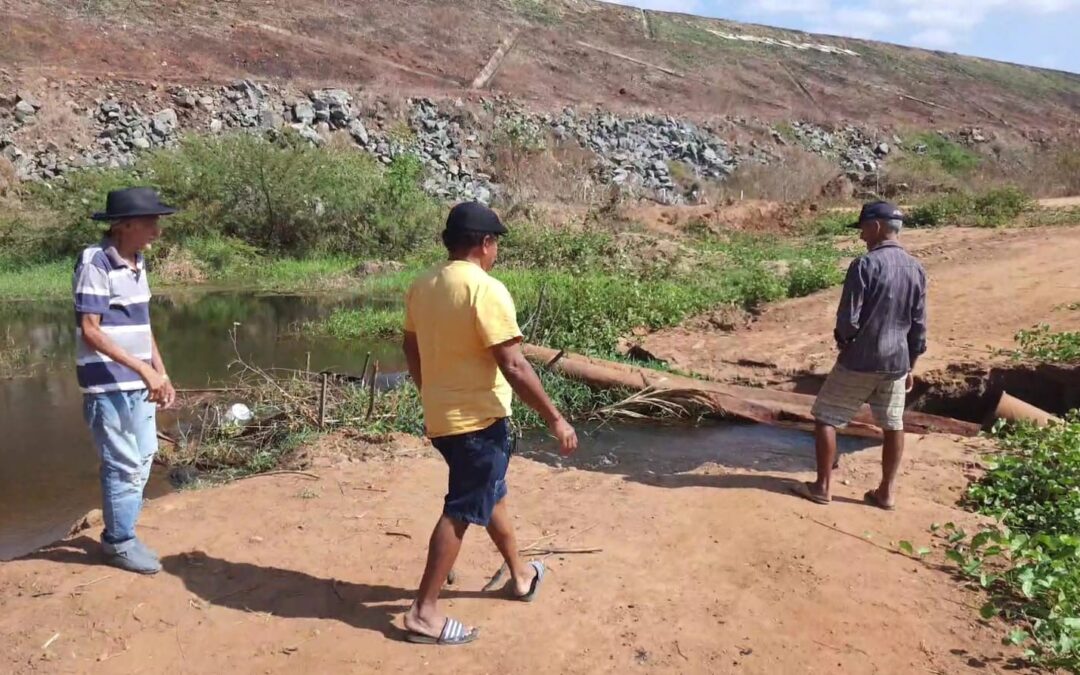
[123, 426]
[478, 463]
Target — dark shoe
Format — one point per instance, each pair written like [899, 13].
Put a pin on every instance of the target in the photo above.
[131, 556]
[146, 549]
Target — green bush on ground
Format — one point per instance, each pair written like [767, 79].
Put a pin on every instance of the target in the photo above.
[990, 209]
[1044, 345]
[952, 157]
[242, 194]
[1030, 562]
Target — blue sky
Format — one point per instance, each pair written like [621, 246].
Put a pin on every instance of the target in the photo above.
[1035, 32]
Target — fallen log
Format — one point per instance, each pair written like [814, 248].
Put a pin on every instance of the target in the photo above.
[764, 406]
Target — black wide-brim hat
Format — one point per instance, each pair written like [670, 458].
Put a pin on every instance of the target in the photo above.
[136, 202]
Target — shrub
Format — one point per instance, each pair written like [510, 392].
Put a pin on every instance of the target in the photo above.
[279, 197]
[1030, 562]
[1042, 344]
[954, 158]
[832, 223]
[990, 209]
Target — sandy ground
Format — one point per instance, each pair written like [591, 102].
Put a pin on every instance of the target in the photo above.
[713, 570]
[707, 566]
[984, 285]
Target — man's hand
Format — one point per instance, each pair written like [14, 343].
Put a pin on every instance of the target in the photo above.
[565, 435]
[910, 383]
[156, 385]
[169, 395]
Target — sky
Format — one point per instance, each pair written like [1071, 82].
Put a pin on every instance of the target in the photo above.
[1033, 32]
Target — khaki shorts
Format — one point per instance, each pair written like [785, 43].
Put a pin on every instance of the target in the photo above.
[845, 391]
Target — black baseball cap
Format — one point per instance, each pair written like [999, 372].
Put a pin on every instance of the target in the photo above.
[878, 211]
[474, 217]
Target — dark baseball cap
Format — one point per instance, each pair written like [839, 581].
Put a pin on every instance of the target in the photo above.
[878, 211]
[474, 217]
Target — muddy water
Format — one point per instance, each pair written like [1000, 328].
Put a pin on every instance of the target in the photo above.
[48, 469]
[663, 455]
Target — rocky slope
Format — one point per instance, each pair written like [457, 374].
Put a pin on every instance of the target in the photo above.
[94, 83]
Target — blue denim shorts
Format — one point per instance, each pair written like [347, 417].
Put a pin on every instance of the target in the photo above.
[478, 462]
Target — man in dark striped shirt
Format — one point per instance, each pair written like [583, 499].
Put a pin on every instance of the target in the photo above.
[880, 331]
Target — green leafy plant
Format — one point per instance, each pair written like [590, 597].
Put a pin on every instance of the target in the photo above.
[1042, 344]
[1029, 563]
[990, 209]
[949, 155]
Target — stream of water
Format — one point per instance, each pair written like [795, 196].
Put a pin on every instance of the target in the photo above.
[48, 468]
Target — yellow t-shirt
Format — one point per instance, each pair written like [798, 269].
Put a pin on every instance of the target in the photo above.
[458, 313]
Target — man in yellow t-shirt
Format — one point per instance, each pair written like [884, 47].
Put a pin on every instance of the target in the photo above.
[463, 347]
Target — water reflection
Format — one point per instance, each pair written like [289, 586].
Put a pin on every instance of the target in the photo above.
[49, 474]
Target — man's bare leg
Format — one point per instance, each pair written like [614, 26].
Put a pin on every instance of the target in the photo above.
[825, 448]
[501, 531]
[891, 454]
[423, 617]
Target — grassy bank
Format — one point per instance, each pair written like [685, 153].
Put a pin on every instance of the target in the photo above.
[991, 208]
[587, 307]
[254, 212]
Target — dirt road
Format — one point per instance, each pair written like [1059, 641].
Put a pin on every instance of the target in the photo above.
[984, 286]
[707, 565]
[711, 570]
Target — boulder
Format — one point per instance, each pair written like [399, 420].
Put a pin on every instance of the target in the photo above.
[303, 112]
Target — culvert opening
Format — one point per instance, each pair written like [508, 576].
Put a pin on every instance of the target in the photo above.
[972, 394]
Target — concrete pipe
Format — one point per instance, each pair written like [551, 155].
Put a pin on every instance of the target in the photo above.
[1013, 409]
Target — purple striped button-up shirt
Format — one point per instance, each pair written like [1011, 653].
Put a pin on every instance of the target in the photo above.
[881, 321]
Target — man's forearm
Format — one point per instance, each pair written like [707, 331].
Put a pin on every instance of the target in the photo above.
[526, 384]
[156, 360]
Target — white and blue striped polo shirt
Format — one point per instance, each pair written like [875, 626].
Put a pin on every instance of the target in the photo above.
[105, 284]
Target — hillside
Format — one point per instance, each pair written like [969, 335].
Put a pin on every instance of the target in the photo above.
[699, 68]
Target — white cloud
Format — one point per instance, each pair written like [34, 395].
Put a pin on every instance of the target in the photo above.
[936, 24]
[933, 24]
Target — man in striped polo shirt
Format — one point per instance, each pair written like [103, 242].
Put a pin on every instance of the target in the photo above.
[119, 367]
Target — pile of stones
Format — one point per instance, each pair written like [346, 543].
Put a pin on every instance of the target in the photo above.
[860, 153]
[639, 151]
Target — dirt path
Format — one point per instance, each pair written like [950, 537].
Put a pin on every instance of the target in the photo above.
[712, 570]
[708, 565]
[984, 286]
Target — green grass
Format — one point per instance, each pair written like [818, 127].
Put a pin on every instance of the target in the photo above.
[1043, 217]
[538, 11]
[1029, 563]
[35, 282]
[993, 208]
[954, 158]
[786, 131]
[296, 274]
[53, 280]
[354, 323]
[575, 295]
[832, 223]
[240, 197]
